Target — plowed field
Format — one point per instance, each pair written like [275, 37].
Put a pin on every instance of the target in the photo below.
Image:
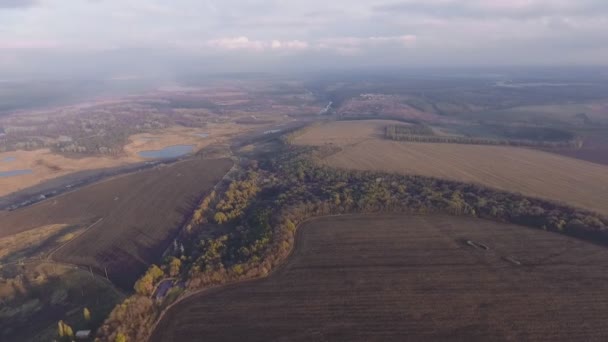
[404, 278]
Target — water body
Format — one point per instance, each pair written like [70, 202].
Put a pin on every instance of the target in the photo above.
[202, 135]
[8, 159]
[12, 173]
[167, 152]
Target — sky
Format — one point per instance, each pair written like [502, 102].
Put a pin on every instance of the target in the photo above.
[119, 37]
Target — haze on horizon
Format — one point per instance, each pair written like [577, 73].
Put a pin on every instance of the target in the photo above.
[129, 38]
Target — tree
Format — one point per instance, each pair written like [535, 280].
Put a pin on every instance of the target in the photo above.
[64, 330]
[220, 217]
[120, 337]
[68, 331]
[290, 225]
[60, 329]
[145, 284]
[174, 266]
[86, 313]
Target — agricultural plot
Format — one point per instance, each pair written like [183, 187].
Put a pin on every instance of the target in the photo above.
[527, 171]
[131, 218]
[396, 278]
[344, 132]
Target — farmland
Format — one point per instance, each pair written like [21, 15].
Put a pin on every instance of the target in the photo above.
[343, 132]
[132, 218]
[390, 277]
[531, 172]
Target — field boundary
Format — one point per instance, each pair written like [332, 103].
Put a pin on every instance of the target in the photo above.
[86, 230]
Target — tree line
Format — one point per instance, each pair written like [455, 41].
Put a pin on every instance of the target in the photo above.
[420, 134]
[395, 131]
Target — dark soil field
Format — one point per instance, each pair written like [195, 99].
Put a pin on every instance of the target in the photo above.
[594, 155]
[139, 214]
[403, 278]
[595, 149]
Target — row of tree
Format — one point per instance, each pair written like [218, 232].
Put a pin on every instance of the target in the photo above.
[395, 131]
[418, 134]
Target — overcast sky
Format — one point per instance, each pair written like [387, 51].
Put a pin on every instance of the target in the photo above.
[116, 35]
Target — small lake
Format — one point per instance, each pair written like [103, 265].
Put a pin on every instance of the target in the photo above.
[8, 159]
[12, 173]
[203, 135]
[167, 152]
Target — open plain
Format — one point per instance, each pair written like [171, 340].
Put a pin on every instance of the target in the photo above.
[398, 278]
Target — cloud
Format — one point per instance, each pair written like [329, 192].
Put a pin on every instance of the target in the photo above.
[244, 43]
[237, 43]
[354, 45]
[290, 45]
[343, 45]
[17, 3]
[28, 44]
[330, 33]
[510, 9]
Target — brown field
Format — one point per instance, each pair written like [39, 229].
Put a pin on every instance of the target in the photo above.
[531, 172]
[139, 214]
[403, 278]
[344, 132]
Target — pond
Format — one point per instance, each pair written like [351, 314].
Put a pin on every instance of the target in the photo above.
[12, 173]
[203, 135]
[8, 159]
[167, 152]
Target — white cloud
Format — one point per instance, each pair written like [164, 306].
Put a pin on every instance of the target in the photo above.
[244, 43]
[295, 45]
[344, 45]
[19, 44]
[237, 43]
[355, 45]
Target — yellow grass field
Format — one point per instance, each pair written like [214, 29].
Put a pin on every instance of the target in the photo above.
[344, 132]
[530, 172]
